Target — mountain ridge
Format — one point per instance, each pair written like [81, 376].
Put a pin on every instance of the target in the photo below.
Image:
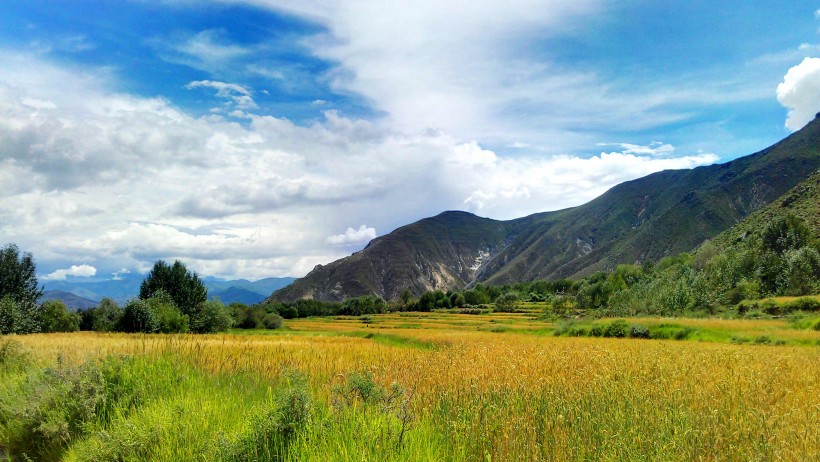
[639, 220]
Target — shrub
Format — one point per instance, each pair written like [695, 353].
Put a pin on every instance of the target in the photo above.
[638, 331]
[169, 317]
[684, 333]
[803, 304]
[763, 340]
[272, 321]
[52, 408]
[506, 303]
[597, 330]
[617, 328]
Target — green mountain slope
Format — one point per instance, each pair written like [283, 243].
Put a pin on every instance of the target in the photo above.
[645, 219]
[802, 201]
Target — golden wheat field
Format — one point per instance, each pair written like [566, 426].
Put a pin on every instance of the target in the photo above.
[515, 394]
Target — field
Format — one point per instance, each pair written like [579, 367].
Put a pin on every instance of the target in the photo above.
[411, 386]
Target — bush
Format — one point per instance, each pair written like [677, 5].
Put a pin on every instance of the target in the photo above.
[684, 333]
[763, 340]
[272, 321]
[617, 328]
[638, 331]
[52, 408]
[803, 304]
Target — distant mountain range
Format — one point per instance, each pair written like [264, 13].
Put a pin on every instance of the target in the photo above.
[641, 220]
[79, 292]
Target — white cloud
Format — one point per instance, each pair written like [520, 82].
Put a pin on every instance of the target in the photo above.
[237, 94]
[654, 149]
[96, 175]
[118, 275]
[80, 271]
[800, 93]
[352, 236]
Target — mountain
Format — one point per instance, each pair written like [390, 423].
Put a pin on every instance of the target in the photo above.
[72, 301]
[237, 294]
[641, 220]
[128, 286]
[802, 201]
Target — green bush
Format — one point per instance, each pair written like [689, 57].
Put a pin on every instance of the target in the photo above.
[617, 328]
[803, 304]
[50, 409]
[106, 316]
[638, 331]
[272, 321]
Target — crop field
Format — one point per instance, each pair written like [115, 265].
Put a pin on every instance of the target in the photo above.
[416, 386]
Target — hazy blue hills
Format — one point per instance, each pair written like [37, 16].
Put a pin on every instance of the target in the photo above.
[128, 286]
[74, 302]
[641, 220]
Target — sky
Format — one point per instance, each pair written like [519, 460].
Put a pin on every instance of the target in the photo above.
[259, 138]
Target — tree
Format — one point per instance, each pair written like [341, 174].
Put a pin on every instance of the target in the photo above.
[184, 287]
[211, 316]
[106, 316]
[55, 317]
[137, 316]
[18, 276]
[786, 233]
[18, 317]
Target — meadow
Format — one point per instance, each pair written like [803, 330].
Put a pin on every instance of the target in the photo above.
[438, 386]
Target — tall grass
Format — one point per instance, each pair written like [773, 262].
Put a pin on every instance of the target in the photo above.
[473, 396]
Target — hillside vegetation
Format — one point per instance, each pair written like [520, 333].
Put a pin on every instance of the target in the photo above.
[644, 220]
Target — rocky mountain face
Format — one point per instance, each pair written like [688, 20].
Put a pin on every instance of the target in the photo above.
[641, 220]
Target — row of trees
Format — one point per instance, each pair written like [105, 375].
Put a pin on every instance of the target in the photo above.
[171, 299]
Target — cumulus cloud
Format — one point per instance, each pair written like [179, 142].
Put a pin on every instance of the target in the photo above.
[120, 274]
[80, 271]
[353, 236]
[91, 174]
[800, 93]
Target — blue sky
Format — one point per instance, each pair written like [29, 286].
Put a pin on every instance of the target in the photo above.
[259, 138]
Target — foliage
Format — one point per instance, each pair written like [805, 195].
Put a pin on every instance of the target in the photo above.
[184, 287]
[55, 317]
[211, 316]
[106, 316]
[18, 276]
[506, 303]
[18, 317]
[137, 316]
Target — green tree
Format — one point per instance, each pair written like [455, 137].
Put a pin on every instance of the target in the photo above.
[18, 276]
[55, 317]
[184, 287]
[18, 317]
[137, 316]
[785, 233]
[106, 316]
[211, 316]
[169, 316]
[506, 303]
